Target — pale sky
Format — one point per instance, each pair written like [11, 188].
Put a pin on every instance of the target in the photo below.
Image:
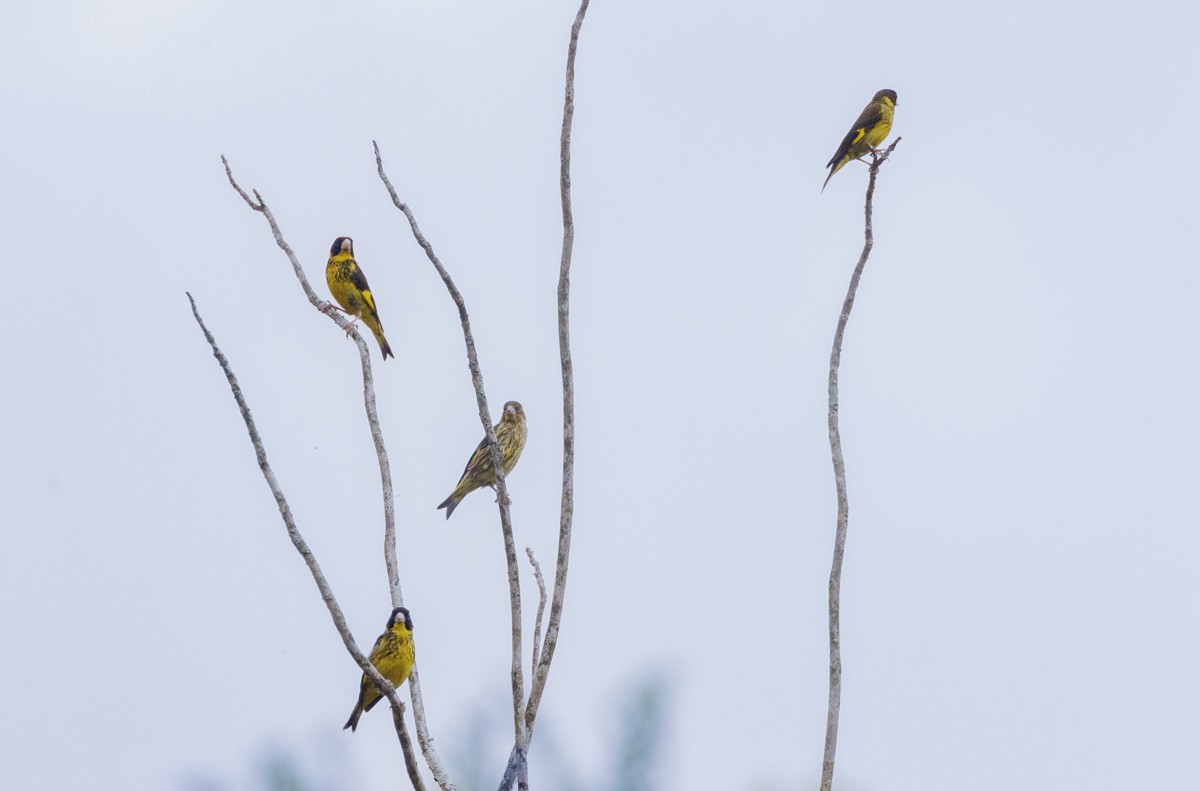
[1020, 384]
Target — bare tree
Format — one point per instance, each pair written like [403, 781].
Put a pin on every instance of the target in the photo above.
[524, 708]
[839, 474]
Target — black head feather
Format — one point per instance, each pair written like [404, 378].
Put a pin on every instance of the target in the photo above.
[407, 618]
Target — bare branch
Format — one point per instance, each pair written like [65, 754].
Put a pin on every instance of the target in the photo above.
[335, 611]
[510, 547]
[385, 473]
[537, 623]
[410, 758]
[385, 469]
[839, 475]
[261, 207]
[567, 511]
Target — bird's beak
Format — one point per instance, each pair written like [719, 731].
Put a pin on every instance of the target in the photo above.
[510, 410]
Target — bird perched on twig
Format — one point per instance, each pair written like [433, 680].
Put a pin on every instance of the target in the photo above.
[480, 471]
[869, 131]
[349, 287]
[393, 657]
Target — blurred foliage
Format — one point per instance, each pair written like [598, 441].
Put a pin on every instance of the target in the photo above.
[635, 758]
[323, 767]
[640, 747]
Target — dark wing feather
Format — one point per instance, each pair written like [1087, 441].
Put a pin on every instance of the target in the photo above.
[871, 115]
[356, 276]
[475, 457]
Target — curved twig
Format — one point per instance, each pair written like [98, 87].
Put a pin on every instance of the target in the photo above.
[537, 622]
[285, 511]
[839, 475]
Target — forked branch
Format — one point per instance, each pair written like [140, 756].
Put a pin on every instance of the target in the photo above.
[335, 611]
[258, 204]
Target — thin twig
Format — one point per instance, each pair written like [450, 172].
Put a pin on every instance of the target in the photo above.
[839, 475]
[510, 547]
[537, 623]
[567, 511]
[259, 205]
[285, 511]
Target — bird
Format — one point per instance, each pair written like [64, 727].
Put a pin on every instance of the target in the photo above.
[349, 287]
[871, 128]
[480, 471]
[392, 656]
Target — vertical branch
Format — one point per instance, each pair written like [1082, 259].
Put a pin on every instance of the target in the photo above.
[567, 512]
[839, 475]
[510, 547]
[285, 511]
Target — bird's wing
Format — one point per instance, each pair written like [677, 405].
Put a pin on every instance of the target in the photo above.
[852, 137]
[481, 450]
[359, 280]
[871, 115]
[381, 647]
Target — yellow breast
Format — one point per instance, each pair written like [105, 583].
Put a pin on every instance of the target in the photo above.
[338, 275]
[878, 133]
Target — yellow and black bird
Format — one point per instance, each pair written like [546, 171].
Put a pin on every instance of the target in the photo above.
[869, 131]
[480, 471]
[393, 657]
[349, 287]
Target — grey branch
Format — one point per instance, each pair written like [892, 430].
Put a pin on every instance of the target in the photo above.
[335, 611]
[516, 771]
[259, 205]
[839, 475]
[510, 547]
[567, 512]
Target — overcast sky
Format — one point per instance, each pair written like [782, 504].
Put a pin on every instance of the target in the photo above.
[1019, 384]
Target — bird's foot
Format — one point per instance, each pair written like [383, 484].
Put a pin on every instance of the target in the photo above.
[507, 501]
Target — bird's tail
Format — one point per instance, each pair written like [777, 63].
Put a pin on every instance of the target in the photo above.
[450, 503]
[352, 723]
[377, 330]
[836, 167]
